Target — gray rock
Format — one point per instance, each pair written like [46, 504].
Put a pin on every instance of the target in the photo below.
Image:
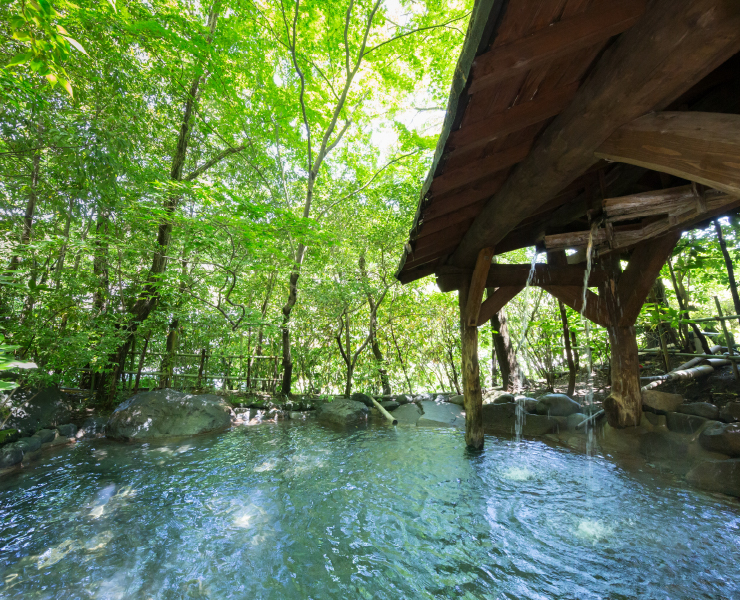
[530, 406]
[458, 399]
[8, 436]
[93, 427]
[45, 435]
[721, 437]
[721, 476]
[730, 413]
[557, 405]
[390, 405]
[572, 421]
[69, 430]
[660, 402]
[425, 398]
[441, 398]
[655, 419]
[682, 423]
[408, 414]
[167, 413]
[700, 409]
[343, 411]
[28, 444]
[442, 414]
[10, 455]
[504, 399]
[663, 445]
[403, 399]
[39, 409]
[501, 419]
[364, 398]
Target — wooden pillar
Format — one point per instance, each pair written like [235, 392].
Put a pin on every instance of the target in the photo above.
[471, 376]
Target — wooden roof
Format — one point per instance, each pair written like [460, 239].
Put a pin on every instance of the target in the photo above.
[540, 88]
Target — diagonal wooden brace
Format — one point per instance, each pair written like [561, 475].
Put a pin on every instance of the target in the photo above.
[477, 286]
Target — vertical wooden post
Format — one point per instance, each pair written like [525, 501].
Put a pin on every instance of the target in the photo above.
[471, 376]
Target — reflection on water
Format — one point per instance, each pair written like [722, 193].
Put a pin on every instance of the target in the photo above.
[300, 511]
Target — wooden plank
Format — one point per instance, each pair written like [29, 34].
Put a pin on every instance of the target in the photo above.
[658, 202]
[638, 278]
[496, 301]
[572, 295]
[418, 259]
[478, 285]
[407, 276]
[674, 45]
[432, 226]
[701, 147]
[446, 236]
[483, 189]
[455, 178]
[519, 116]
[503, 275]
[599, 23]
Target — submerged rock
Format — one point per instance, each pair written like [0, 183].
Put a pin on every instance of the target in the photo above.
[28, 444]
[92, 427]
[501, 419]
[408, 414]
[39, 409]
[45, 435]
[364, 398]
[721, 437]
[343, 411]
[660, 402]
[721, 476]
[574, 420]
[443, 414]
[557, 405]
[682, 423]
[167, 413]
[700, 409]
[730, 413]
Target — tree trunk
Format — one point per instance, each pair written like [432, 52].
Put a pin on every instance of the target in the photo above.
[455, 379]
[728, 264]
[471, 377]
[100, 264]
[27, 230]
[504, 352]
[568, 351]
[400, 358]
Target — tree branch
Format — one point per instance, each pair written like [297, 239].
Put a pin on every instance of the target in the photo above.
[216, 159]
[413, 31]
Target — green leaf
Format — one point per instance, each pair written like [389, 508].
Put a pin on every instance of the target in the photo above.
[20, 59]
[76, 44]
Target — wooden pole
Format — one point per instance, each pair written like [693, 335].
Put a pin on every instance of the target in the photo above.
[384, 412]
[728, 339]
[471, 376]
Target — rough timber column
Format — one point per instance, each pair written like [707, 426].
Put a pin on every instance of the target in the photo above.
[471, 376]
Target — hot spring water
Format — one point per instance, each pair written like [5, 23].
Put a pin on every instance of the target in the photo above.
[301, 511]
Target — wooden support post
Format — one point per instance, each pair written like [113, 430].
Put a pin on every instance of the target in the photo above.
[478, 286]
[728, 339]
[496, 301]
[471, 376]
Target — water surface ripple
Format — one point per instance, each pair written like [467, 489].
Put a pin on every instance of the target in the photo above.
[302, 511]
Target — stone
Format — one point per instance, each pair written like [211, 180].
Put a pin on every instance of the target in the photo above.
[530, 406]
[403, 399]
[730, 413]
[443, 414]
[8, 436]
[35, 409]
[501, 419]
[655, 419]
[504, 399]
[700, 409]
[682, 423]
[28, 444]
[92, 427]
[557, 405]
[343, 411]
[721, 476]
[45, 435]
[167, 413]
[721, 437]
[663, 445]
[364, 398]
[69, 430]
[390, 405]
[572, 421]
[425, 398]
[9, 456]
[660, 402]
[459, 399]
[408, 414]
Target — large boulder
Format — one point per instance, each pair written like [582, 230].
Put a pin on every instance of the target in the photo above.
[700, 409]
[343, 411]
[501, 419]
[93, 427]
[35, 409]
[730, 412]
[28, 444]
[442, 414]
[557, 405]
[459, 399]
[10, 455]
[364, 398]
[504, 399]
[721, 476]
[408, 414]
[682, 423]
[721, 437]
[167, 413]
[660, 402]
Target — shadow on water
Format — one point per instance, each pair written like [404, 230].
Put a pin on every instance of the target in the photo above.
[302, 511]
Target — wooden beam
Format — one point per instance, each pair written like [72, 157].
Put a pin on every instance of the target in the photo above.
[674, 45]
[482, 189]
[701, 147]
[519, 116]
[432, 226]
[496, 301]
[473, 396]
[444, 237]
[658, 202]
[479, 169]
[478, 285]
[572, 295]
[638, 278]
[598, 24]
[407, 276]
[431, 254]
[502, 275]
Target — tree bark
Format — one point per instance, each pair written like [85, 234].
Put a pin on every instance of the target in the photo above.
[471, 377]
[728, 264]
[505, 352]
[100, 264]
[568, 351]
